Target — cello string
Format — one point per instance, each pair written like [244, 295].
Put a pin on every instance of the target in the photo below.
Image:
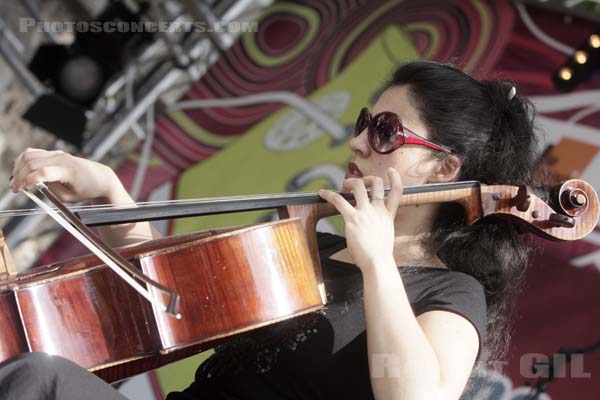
[33, 211]
[143, 204]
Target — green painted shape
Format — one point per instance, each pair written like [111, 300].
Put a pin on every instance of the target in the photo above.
[188, 125]
[247, 167]
[152, 161]
[180, 375]
[364, 24]
[249, 38]
[484, 38]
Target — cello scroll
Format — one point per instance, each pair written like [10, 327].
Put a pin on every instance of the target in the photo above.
[571, 214]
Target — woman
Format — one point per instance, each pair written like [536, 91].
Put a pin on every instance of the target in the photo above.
[407, 286]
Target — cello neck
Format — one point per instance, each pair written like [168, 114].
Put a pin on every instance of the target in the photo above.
[412, 195]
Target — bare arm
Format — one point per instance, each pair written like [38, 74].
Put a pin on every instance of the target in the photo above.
[410, 358]
[76, 179]
[429, 357]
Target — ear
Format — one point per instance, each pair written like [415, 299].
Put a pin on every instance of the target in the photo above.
[447, 169]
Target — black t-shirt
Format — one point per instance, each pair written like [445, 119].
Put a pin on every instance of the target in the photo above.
[324, 355]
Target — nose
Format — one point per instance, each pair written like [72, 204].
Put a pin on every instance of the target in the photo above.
[359, 145]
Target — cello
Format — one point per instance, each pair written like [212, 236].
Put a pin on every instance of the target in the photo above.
[221, 283]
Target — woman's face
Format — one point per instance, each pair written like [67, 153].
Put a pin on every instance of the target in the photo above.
[414, 163]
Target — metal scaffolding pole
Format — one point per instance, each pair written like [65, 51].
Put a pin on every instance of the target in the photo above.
[162, 78]
[14, 60]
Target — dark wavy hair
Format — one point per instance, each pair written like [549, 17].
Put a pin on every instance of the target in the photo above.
[494, 138]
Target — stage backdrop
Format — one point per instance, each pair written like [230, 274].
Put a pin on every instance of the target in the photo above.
[337, 55]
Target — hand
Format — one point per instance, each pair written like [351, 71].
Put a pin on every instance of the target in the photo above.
[369, 226]
[73, 179]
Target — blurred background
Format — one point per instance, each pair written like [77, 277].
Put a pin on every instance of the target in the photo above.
[261, 97]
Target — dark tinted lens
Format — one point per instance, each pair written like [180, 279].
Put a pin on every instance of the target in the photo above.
[385, 130]
[362, 121]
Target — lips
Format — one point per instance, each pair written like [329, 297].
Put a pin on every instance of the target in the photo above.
[353, 171]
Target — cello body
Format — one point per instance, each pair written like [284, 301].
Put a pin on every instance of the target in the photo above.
[230, 281]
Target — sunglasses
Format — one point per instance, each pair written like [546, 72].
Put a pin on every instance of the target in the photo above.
[387, 134]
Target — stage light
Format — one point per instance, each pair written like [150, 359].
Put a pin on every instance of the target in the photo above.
[76, 75]
[581, 57]
[81, 78]
[565, 73]
[582, 66]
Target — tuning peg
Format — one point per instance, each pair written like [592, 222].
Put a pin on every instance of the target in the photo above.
[563, 221]
[522, 200]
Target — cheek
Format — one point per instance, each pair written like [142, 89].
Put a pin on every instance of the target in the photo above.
[410, 166]
[400, 161]
[382, 163]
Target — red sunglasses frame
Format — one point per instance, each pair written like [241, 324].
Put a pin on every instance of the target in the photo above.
[393, 121]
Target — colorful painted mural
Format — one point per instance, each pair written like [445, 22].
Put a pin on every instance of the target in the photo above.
[336, 55]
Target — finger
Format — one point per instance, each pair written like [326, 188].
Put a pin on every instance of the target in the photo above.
[30, 154]
[28, 165]
[336, 200]
[357, 187]
[17, 160]
[375, 184]
[49, 173]
[396, 188]
[11, 183]
[27, 153]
